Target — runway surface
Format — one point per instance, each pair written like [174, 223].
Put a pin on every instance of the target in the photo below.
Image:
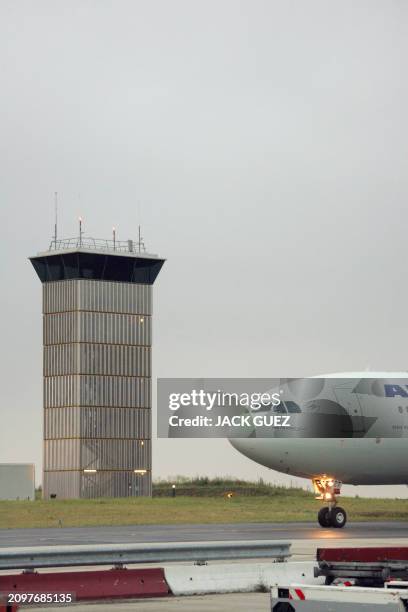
[233, 602]
[196, 533]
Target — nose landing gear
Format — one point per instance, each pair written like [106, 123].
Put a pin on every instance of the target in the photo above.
[326, 490]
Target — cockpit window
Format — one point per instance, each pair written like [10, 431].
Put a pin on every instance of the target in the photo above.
[280, 408]
[265, 408]
[292, 407]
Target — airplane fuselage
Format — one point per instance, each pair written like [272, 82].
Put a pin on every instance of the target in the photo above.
[374, 451]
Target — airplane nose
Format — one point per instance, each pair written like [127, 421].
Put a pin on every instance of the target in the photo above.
[250, 447]
[265, 451]
[239, 444]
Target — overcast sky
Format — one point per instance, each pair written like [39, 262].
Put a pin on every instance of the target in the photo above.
[263, 147]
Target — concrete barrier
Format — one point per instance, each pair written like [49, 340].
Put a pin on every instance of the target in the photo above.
[91, 585]
[94, 585]
[237, 577]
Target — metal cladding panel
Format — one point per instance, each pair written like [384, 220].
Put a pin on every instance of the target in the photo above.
[126, 392]
[61, 327]
[115, 484]
[97, 422]
[97, 327]
[61, 359]
[111, 328]
[133, 423]
[102, 359]
[75, 484]
[97, 388]
[62, 454]
[116, 360]
[100, 454]
[61, 391]
[62, 484]
[97, 296]
[61, 296]
[125, 298]
[62, 423]
[115, 391]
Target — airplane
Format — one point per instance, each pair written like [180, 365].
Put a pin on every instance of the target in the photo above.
[348, 428]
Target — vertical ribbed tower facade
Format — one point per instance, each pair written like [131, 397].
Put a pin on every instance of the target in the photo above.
[97, 335]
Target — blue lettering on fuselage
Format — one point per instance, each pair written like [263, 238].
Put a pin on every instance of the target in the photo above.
[394, 391]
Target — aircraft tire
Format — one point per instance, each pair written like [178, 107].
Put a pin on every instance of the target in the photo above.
[338, 517]
[324, 517]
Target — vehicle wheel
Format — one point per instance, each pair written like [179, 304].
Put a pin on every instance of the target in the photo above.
[338, 517]
[324, 517]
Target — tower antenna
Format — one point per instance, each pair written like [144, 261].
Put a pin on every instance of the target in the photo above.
[140, 241]
[80, 231]
[56, 218]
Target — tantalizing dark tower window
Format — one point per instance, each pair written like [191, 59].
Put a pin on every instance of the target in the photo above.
[94, 266]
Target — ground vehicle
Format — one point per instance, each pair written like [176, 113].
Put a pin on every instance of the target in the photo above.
[337, 599]
[357, 580]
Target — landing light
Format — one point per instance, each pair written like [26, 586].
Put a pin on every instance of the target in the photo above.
[141, 472]
[90, 471]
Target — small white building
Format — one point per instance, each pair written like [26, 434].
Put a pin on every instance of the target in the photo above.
[17, 481]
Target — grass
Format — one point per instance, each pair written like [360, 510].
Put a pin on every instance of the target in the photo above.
[251, 502]
[219, 487]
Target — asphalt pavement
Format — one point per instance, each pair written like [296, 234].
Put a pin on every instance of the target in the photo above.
[200, 533]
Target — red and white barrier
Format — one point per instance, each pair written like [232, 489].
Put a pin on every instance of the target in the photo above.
[162, 582]
[237, 577]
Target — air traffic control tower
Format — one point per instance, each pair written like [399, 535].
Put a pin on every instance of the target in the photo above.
[97, 330]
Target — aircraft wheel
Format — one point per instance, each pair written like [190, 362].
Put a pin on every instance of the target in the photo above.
[324, 517]
[338, 517]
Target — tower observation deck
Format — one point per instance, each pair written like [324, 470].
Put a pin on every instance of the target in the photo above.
[97, 339]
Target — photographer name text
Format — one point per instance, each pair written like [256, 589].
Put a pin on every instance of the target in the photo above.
[243, 420]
